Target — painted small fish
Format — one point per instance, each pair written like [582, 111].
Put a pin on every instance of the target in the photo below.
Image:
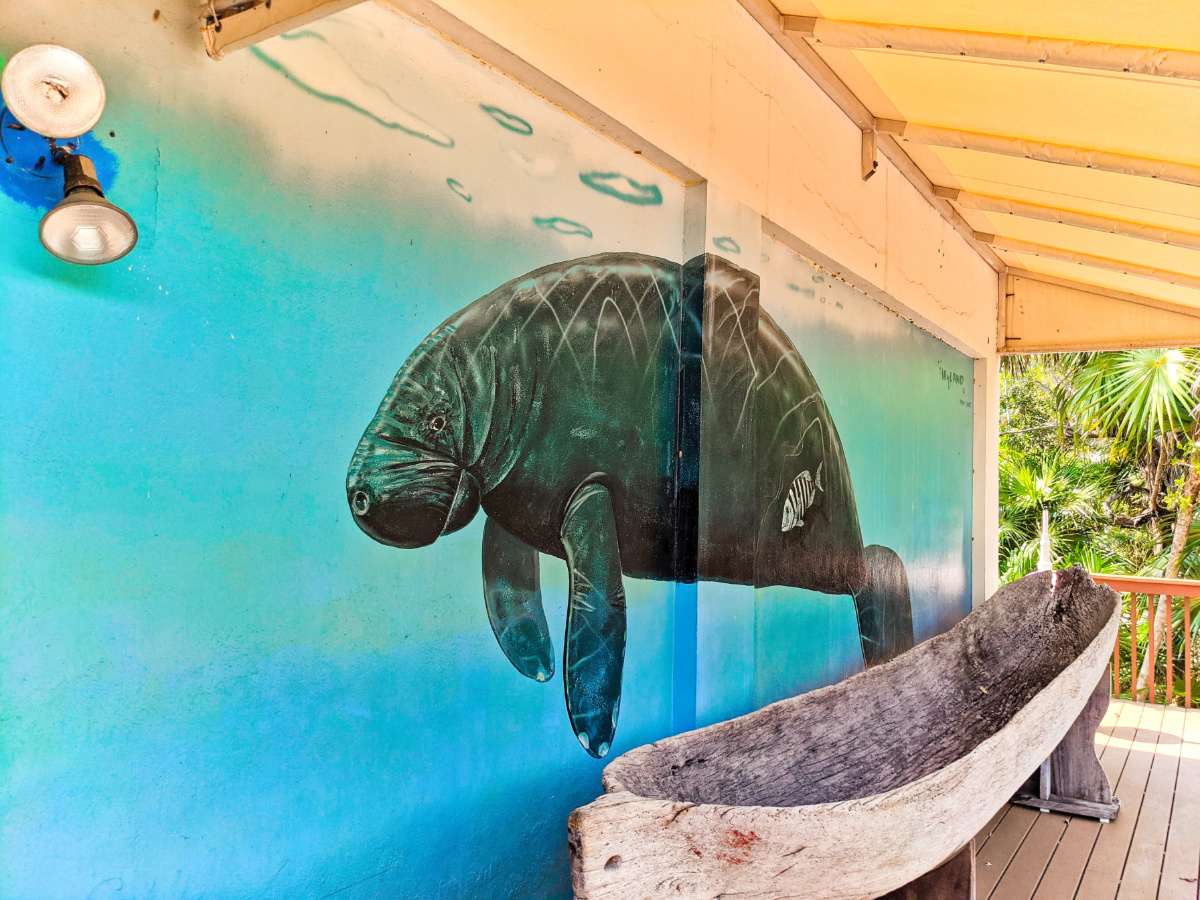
[800, 498]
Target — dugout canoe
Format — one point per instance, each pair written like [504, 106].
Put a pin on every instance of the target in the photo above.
[856, 789]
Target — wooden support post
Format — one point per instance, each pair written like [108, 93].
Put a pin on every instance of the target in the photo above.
[1169, 643]
[952, 880]
[1151, 647]
[1133, 672]
[1116, 667]
[1187, 652]
[1072, 780]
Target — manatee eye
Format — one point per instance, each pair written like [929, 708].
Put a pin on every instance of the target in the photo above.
[437, 423]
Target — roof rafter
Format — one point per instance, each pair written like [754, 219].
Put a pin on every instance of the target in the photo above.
[809, 61]
[1060, 154]
[1086, 55]
[1028, 248]
[985, 203]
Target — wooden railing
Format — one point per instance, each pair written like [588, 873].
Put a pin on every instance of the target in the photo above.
[1179, 590]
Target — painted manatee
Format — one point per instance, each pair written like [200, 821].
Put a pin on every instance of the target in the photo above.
[630, 416]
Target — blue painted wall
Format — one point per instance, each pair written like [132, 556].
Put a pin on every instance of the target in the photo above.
[903, 404]
[211, 683]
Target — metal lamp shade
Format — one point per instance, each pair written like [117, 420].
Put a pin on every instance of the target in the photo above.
[53, 91]
[87, 230]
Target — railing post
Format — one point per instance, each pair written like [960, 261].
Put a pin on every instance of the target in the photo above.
[1151, 645]
[1169, 643]
[1116, 673]
[1133, 672]
[1187, 650]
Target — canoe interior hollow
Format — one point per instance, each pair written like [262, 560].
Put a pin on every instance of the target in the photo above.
[890, 725]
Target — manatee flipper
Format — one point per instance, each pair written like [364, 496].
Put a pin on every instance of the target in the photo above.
[884, 608]
[595, 645]
[513, 593]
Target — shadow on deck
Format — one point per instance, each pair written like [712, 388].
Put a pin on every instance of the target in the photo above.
[1152, 850]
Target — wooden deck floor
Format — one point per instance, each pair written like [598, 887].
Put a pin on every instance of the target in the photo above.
[1151, 851]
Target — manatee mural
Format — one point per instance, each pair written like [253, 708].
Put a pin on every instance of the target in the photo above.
[630, 416]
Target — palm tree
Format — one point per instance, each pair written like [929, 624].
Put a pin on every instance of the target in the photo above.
[1072, 489]
[1147, 400]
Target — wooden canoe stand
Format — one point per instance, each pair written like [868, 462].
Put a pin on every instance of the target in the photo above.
[872, 787]
[1071, 779]
[952, 880]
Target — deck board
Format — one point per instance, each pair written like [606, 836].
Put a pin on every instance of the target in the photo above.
[1025, 872]
[1182, 859]
[1065, 871]
[1103, 875]
[1143, 868]
[1152, 850]
[982, 837]
[992, 861]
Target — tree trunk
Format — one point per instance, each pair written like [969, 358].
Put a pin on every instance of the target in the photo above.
[1183, 525]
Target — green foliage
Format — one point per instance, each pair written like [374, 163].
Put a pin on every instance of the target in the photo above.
[1106, 442]
[1137, 396]
[1072, 488]
[1101, 440]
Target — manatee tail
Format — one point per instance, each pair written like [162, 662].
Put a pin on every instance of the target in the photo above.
[884, 607]
[513, 594]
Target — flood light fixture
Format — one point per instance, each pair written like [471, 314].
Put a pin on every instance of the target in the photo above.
[84, 228]
[56, 93]
[53, 91]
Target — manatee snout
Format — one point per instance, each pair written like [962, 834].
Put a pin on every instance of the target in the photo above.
[407, 497]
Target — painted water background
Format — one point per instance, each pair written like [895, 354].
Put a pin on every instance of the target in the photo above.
[211, 683]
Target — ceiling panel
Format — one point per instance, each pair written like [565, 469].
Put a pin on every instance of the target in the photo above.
[1148, 118]
[1158, 23]
[1133, 115]
[1145, 200]
[1115, 281]
[1081, 240]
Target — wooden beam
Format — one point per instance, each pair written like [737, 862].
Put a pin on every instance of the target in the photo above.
[1060, 154]
[810, 62]
[1085, 55]
[1171, 237]
[1028, 248]
[1174, 587]
[243, 24]
[769, 18]
[870, 160]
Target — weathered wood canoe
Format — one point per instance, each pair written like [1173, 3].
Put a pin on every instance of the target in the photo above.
[856, 789]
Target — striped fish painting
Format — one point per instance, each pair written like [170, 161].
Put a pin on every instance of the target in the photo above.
[800, 498]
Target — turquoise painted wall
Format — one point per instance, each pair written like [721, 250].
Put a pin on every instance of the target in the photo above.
[211, 683]
[902, 401]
